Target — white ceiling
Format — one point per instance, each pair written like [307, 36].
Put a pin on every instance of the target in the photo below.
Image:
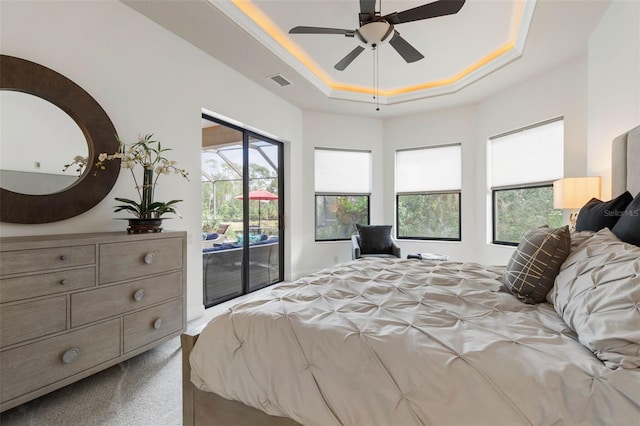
[557, 33]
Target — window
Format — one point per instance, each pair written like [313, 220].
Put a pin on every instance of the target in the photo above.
[523, 165]
[342, 189]
[428, 182]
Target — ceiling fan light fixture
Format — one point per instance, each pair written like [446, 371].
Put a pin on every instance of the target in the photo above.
[375, 33]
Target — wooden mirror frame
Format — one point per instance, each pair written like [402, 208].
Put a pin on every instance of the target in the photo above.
[93, 186]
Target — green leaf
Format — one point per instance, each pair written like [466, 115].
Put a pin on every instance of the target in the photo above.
[127, 208]
[126, 200]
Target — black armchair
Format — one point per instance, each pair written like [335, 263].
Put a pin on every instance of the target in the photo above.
[374, 241]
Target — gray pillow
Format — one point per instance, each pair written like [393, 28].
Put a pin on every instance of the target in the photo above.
[375, 239]
[597, 293]
[534, 265]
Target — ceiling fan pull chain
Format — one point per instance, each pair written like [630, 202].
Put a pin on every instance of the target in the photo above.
[376, 71]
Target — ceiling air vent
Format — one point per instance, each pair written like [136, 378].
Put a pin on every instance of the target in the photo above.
[280, 80]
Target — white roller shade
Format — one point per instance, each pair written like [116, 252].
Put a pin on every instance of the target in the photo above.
[429, 169]
[343, 172]
[528, 156]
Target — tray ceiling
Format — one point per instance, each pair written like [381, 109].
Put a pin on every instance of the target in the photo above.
[488, 46]
[458, 49]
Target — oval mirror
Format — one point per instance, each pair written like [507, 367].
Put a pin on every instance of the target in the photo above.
[89, 185]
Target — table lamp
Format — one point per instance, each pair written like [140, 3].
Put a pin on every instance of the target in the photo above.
[573, 193]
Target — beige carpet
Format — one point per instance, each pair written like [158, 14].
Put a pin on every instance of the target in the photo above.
[144, 390]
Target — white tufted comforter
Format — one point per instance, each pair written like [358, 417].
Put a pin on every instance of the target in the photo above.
[408, 342]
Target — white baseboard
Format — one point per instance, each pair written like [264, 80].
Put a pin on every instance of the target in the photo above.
[195, 312]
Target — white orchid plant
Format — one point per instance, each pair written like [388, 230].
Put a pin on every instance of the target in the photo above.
[79, 162]
[149, 154]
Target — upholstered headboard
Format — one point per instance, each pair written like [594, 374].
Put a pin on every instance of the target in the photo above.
[625, 163]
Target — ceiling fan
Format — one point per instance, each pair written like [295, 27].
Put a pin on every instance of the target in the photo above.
[375, 29]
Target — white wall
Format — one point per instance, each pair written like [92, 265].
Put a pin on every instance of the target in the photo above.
[614, 84]
[148, 81]
[561, 92]
[442, 127]
[335, 131]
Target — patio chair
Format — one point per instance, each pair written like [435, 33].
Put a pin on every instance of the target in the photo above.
[215, 238]
[222, 229]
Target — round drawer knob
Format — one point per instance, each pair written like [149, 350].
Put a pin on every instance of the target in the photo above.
[63, 257]
[70, 355]
[149, 258]
[138, 295]
[63, 281]
[157, 324]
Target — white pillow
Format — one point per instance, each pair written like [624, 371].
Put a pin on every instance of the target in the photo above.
[597, 293]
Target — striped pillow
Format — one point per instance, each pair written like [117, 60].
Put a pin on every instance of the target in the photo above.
[534, 265]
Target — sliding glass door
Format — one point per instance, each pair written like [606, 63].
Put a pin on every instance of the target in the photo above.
[242, 205]
[263, 212]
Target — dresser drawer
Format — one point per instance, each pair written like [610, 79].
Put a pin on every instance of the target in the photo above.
[44, 284]
[151, 324]
[33, 366]
[20, 261]
[28, 320]
[133, 259]
[107, 301]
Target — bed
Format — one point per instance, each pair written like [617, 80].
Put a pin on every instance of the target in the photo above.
[410, 342]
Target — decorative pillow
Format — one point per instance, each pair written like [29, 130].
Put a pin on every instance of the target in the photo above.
[375, 239]
[211, 236]
[628, 227]
[597, 293]
[534, 265]
[252, 239]
[597, 214]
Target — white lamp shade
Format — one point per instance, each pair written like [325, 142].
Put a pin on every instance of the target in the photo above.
[375, 33]
[573, 193]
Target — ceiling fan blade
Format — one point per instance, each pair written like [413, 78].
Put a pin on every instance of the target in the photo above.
[402, 46]
[367, 11]
[426, 11]
[344, 62]
[320, 30]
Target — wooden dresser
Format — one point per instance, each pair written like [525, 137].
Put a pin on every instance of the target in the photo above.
[72, 305]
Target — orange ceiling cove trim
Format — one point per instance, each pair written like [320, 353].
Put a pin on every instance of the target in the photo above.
[267, 25]
[452, 80]
[263, 21]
